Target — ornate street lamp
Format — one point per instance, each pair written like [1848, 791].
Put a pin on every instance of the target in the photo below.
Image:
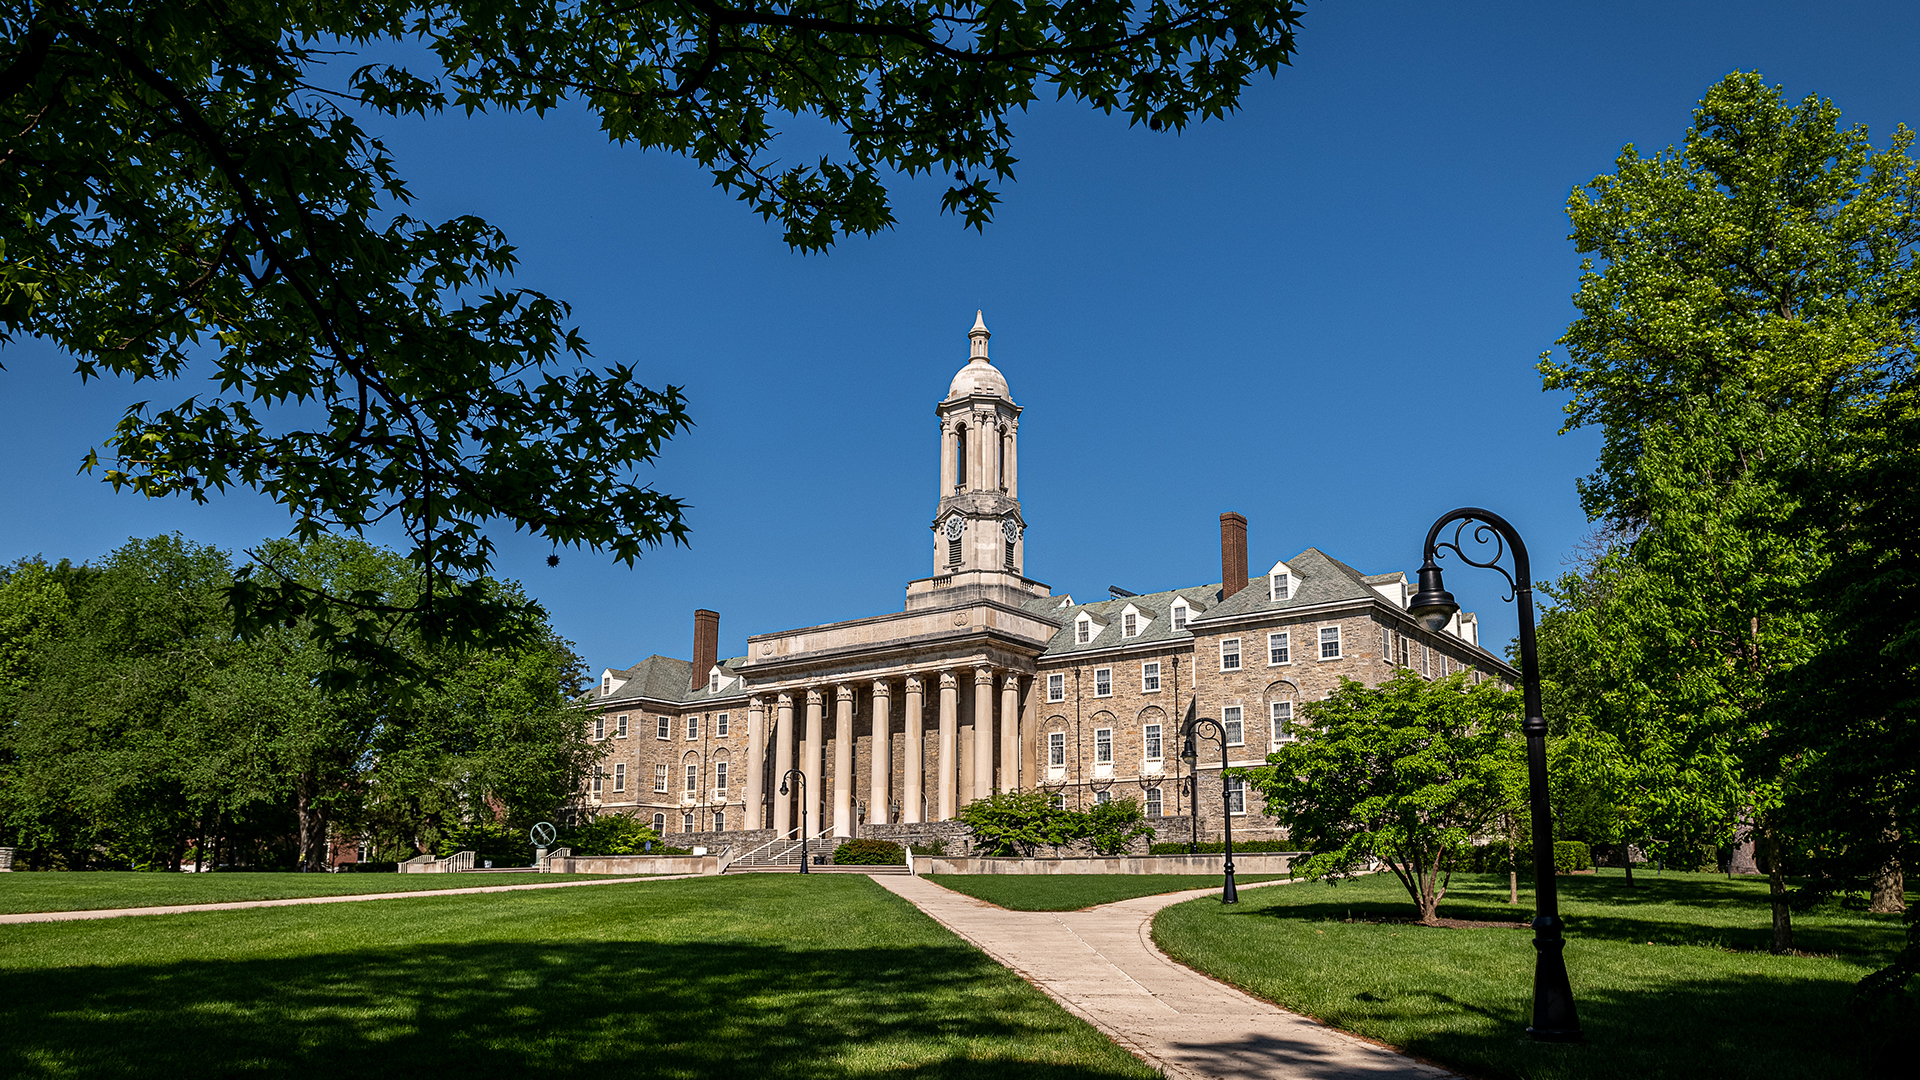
[801, 779]
[1433, 607]
[1190, 753]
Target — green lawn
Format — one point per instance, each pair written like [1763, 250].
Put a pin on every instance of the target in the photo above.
[54, 891]
[760, 975]
[1071, 892]
[1672, 979]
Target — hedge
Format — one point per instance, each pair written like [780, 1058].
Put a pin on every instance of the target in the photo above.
[1571, 855]
[1250, 847]
[869, 853]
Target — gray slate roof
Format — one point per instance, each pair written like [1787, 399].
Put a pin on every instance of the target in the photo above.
[1159, 605]
[1320, 579]
[665, 678]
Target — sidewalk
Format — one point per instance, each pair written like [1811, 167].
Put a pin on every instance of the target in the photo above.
[235, 905]
[1102, 965]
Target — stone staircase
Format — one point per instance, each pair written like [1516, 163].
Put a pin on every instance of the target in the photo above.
[783, 857]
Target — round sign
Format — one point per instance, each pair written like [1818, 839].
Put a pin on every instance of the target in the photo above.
[543, 834]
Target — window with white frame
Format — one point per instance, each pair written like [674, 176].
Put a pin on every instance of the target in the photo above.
[719, 821]
[1103, 746]
[1236, 794]
[665, 727]
[1179, 615]
[1060, 800]
[660, 777]
[720, 777]
[721, 725]
[1150, 677]
[606, 685]
[1281, 587]
[1401, 645]
[693, 726]
[1329, 643]
[597, 777]
[1235, 726]
[1154, 805]
[686, 821]
[1230, 654]
[620, 776]
[1386, 645]
[693, 779]
[1282, 712]
[1056, 686]
[1426, 661]
[660, 824]
[1057, 749]
[620, 726]
[1150, 734]
[1102, 798]
[713, 682]
[599, 728]
[1129, 625]
[1083, 631]
[1103, 682]
[1279, 648]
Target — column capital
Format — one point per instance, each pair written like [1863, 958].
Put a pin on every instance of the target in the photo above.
[914, 684]
[949, 681]
[756, 702]
[843, 691]
[983, 675]
[814, 696]
[784, 700]
[1009, 679]
[883, 688]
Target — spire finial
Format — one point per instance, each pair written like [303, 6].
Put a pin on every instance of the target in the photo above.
[979, 335]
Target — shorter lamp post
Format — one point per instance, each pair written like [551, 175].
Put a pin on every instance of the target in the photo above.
[801, 779]
[1190, 753]
[1433, 607]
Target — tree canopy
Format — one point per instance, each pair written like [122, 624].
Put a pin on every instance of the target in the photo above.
[190, 191]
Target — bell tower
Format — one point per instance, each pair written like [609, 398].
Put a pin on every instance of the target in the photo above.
[977, 526]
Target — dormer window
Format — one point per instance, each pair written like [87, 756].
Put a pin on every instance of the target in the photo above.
[713, 683]
[1129, 625]
[1083, 631]
[606, 685]
[1179, 615]
[1280, 586]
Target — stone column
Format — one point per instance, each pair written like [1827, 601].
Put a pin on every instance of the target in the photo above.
[912, 762]
[782, 762]
[949, 735]
[880, 764]
[843, 760]
[810, 759]
[982, 732]
[1009, 730]
[756, 761]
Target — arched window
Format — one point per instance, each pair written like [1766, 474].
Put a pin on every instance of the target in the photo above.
[1000, 462]
[960, 456]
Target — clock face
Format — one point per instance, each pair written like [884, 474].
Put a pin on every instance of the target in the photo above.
[1011, 528]
[955, 527]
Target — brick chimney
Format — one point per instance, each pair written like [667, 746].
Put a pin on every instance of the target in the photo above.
[1233, 554]
[706, 644]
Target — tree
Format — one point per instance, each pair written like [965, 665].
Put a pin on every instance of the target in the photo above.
[1755, 297]
[1409, 772]
[190, 186]
[1112, 826]
[1017, 822]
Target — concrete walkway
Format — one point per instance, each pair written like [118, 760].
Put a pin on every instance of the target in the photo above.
[235, 905]
[1102, 965]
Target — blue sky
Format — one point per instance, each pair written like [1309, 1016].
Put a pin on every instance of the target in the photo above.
[1322, 312]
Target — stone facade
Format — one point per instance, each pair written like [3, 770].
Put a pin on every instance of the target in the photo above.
[986, 681]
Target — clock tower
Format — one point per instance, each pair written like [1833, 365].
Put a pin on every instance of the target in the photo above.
[977, 527]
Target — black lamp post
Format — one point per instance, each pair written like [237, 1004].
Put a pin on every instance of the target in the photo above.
[1190, 753]
[1432, 607]
[801, 778]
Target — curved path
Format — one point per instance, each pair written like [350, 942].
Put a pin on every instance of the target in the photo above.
[235, 905]
[1102, 965]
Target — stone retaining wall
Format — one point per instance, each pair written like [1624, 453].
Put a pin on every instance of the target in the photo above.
[635, 864]
[1264, 863]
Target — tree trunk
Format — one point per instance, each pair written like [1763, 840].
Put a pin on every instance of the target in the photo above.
[1626, 860]
[313, 829]
[1777, 887]
[1889, 888]
[1513, 884]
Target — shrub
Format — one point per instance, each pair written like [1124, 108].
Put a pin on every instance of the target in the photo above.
[933, 847]
[1571, 855]
[869, 853]
[611, 834]
[1111, 826]
[1016, 822]
[1250, 847]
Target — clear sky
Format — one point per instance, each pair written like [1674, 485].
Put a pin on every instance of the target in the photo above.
[1322, 312]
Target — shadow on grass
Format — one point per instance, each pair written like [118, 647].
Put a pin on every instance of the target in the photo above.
[537, 1010]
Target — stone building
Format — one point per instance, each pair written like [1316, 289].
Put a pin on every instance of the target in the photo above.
[986, 680]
